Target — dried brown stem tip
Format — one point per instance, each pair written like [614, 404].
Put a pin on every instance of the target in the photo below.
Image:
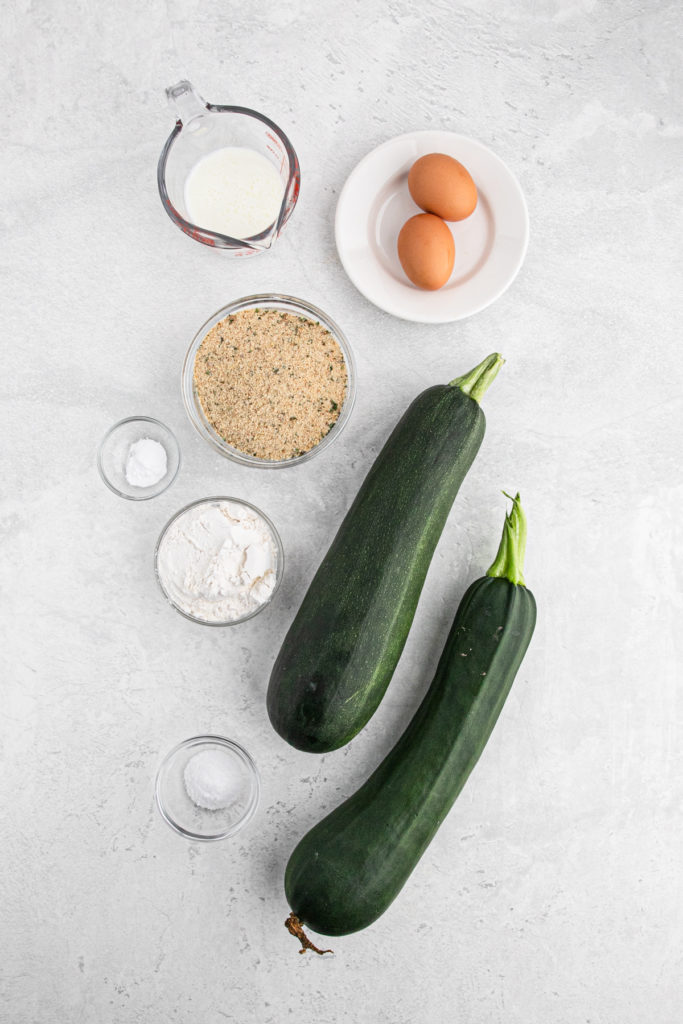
[294, 927]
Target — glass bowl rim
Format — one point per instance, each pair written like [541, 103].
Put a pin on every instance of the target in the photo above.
[247, 759]
[115, 427]
[279, 571]
[279, 301]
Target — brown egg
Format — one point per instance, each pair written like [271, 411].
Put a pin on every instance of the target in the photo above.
[441, 185]
[426, 251]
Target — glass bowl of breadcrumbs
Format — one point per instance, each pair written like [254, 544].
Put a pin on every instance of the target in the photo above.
[269, 380]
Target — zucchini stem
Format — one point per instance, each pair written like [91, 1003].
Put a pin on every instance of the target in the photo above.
[294, 927]
[509, 562]
[476, 382]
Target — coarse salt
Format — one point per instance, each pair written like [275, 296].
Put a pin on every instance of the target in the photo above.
[210, 780]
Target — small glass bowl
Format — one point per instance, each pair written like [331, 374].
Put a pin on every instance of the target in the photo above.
[284, 304]
[113, 452]
[279, 567]
[197, 823]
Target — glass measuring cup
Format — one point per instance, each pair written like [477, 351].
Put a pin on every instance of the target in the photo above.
[203, 127]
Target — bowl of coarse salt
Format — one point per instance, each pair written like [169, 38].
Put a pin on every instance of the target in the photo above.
[207, 788]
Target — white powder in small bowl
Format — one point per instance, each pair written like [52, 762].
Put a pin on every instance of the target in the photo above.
[147, 463]
[210, 780]
[218, 561]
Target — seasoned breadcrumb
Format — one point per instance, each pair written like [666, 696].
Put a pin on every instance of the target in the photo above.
[271, 384]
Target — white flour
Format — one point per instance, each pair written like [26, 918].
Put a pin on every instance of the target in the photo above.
[218, 561]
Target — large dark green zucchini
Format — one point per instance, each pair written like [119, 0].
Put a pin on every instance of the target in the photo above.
[343, 646]
[347, 870]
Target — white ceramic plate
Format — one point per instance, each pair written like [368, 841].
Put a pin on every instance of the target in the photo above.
[489, 245]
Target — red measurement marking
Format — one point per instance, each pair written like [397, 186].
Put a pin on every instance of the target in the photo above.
[277, 156]
[278, 151]
[198, 236]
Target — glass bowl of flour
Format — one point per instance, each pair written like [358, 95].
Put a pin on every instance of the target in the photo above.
[219, 561]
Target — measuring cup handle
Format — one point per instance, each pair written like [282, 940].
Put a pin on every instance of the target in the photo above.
[188, 104]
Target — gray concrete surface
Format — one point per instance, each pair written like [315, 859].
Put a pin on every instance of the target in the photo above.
[552, 894]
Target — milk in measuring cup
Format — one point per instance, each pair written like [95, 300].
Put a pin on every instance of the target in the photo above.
[234, 191]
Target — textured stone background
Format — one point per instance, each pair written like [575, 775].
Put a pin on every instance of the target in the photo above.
[552, 894]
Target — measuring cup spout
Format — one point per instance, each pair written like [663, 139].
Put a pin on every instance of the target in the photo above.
[187, 103]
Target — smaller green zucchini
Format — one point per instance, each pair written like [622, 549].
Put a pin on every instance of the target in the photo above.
[348, 869]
